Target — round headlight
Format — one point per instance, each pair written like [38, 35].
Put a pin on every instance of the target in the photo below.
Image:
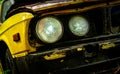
[79, 25]
[49, 29]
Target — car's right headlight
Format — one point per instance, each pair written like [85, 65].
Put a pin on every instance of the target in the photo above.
[79, 25]
[49, 29]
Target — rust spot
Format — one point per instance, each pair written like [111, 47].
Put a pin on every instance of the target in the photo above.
[68, 11]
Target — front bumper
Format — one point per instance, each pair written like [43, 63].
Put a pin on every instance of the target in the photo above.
[98, 55]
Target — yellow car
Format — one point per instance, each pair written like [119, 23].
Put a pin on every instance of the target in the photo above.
[60, 36]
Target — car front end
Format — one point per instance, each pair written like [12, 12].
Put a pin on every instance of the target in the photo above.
[71, 36]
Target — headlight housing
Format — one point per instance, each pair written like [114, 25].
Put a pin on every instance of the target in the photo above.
[79, 25]
[49, 29]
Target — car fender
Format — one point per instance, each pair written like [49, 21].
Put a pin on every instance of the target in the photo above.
[16, 24]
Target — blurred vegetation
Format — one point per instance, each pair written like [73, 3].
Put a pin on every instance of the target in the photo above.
[0, 1]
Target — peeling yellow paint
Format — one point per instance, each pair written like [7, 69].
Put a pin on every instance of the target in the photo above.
[80, 49]
[61, 60]
[108, 45]
[54, 56]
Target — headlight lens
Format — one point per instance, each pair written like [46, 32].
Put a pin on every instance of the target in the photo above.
[49, 29]
[79, 25]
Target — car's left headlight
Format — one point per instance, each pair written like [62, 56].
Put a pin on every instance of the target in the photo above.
[49, 29]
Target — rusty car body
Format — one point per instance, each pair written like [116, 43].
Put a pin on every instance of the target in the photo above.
[60, 36]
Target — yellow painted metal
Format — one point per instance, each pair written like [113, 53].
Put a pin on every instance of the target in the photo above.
[108, 45]
[24, 53]
[80, 49]
[55, 56]
[18, 23]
